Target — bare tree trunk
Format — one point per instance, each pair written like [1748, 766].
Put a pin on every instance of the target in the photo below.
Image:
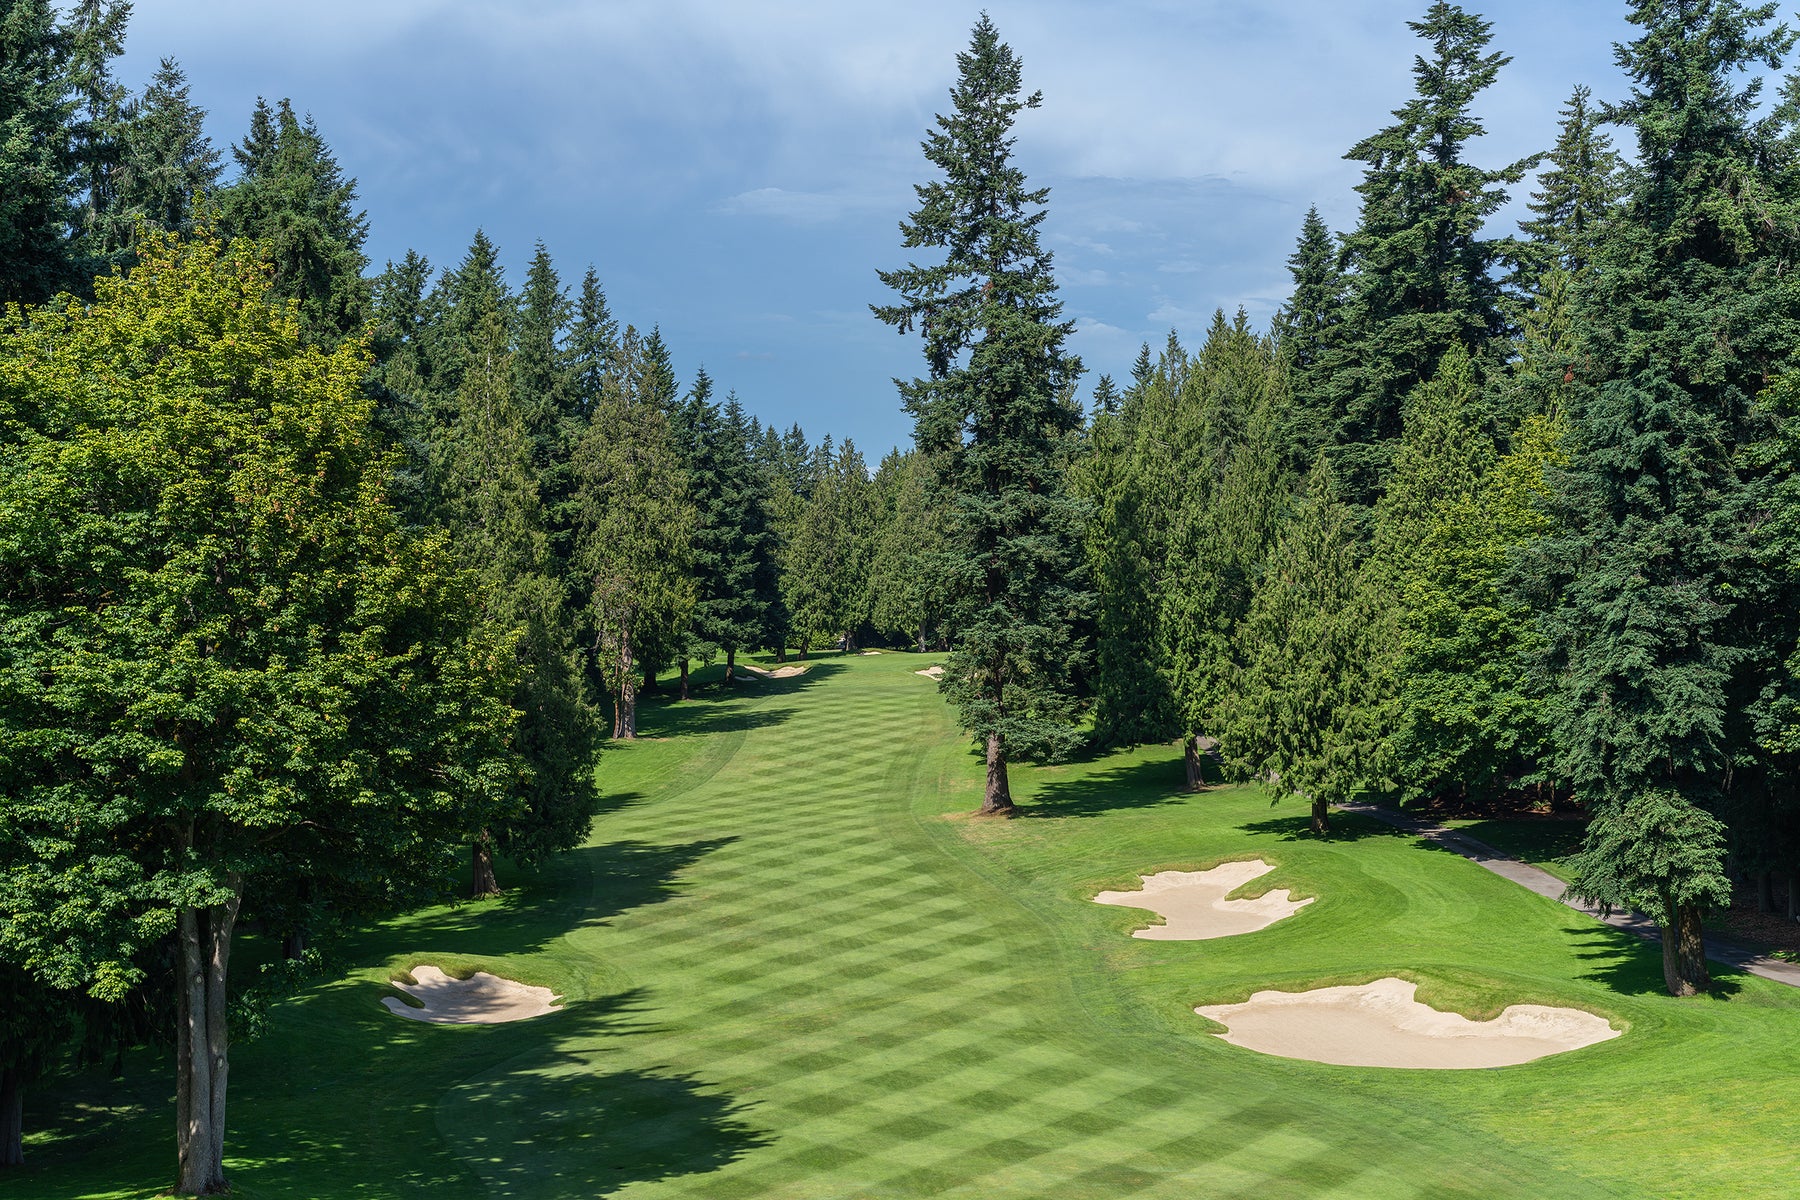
[684, 678]
[1190, 755]
[781, 649]
[649, 684]
[625, 726]
[202, 1044]
[1684, 951]
[997, 801]
[921, 639]
[1321, 816]
[482, 881]
[12, 1117]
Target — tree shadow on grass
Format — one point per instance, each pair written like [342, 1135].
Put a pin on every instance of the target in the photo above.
[1345, 827]
[566, 1130]
[581, 887]
[721, 711]
[1138, 785]
[1632, 965]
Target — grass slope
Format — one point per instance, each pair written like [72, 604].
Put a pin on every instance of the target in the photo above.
[793, 971]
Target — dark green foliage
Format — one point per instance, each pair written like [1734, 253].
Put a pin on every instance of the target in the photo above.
[1305, 328]
[168, 161]
[549, 397]
[1658, 662]
[905, 600]
[1578, 192]
[37, 159]
[1422, 278]
[1308, 712]
[990, 412]
[827, 557]
[292, 198]
[402, 379]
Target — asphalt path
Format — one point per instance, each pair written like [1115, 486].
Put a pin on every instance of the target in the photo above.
[1718, 949]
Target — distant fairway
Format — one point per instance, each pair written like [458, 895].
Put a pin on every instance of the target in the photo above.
[789, 975]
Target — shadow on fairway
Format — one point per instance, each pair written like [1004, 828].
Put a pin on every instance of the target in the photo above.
[579, 887]
[1140, 785]
[1632, 966]
[715, 710]
[1345, 827]
[564, 1130]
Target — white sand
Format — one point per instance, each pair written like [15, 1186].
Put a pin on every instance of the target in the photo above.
[1193, 906]
[481, 999]
[1380, 1024]
[787, 672]
[868, 653]
[931, 672]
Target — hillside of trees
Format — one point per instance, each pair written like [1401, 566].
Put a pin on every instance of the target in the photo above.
[322, 585]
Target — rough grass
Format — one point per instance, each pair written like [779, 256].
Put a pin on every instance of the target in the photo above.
[793, 969]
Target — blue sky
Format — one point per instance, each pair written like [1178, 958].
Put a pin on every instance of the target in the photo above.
[736, 170]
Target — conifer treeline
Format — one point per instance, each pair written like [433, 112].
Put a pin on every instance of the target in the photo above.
[1482, 514]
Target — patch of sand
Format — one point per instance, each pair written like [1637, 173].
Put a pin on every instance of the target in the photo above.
[931, 672]
[481, 999]
[787, 672]
[1380, 1024]
[1193, 905]
[868, 653]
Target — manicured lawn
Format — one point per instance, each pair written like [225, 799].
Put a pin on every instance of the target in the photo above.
[1544, 842]
[793, 971]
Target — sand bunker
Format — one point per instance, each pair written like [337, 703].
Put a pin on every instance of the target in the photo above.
[481, 999]
[787, 672]
[931, 672]
[1193, 905]
[1380, 1024]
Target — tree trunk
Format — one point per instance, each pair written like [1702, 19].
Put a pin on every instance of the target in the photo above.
[293, 946]
[997, 801]
[684, 678]
[921, 639]
[201, 1045]
[482, 882]
[12, 1117]
[781, 649]
[1684, 951]
[730, 666]
[625, 711]
[1321, 816]
[1190, 754]
[803, 642]
[649, 685]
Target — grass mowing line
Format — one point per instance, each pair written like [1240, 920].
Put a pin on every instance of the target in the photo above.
[799, 981]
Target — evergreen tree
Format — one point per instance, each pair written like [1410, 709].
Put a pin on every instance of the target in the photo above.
[542, 375]
[905, 598]
[168, 160]
[1422, 277]
[291, 196]
[402, 380]
[95, 34]
[37, 157]
[732, 558]
[1306, 327]
[990, 412]
[1578, 191]
[634, 529]
[1657, 666]
[827, 559]
[1307, 713]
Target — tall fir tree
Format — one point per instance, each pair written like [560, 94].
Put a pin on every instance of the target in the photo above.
[1422, 277]
[1305, 328]
[293, 198]
[168, 161]
[1657, 660]
[1578, 191]
[38, 187]
[990, 411]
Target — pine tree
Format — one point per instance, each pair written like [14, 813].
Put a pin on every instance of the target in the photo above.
[905, 597]
[168, 160]
[989, 410]
[401, 382]
[37, 157]
[1422, 277]
[1306, 328]
[634, 528]
[1656, 664]
[291, 196]
[1579, 190]
[542, 375]
[1307, 713]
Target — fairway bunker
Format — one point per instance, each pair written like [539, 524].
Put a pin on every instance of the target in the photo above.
[778, 673]
[931, 672]
[481, 999]
[1193, 906]
[1381, 1024]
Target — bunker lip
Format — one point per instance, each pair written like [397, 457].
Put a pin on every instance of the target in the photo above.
[931, 672]
[1382, 1024]
[787, 672]
[481, 999]
[1193, 906]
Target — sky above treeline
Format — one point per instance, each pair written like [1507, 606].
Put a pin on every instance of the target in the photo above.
[736, 170]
